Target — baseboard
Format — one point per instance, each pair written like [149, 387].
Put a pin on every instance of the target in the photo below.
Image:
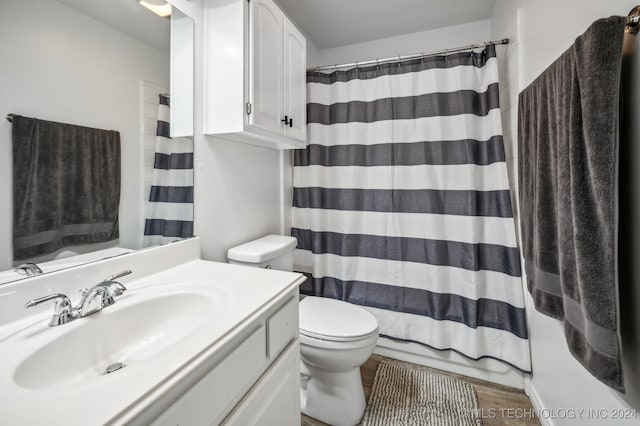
[531, 392]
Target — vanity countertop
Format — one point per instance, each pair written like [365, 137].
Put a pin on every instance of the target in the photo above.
[195, 310]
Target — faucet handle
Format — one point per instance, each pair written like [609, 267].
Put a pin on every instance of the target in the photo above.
[118, 275]
[116, 287]
[60, 299]
[62, 311]
[111, 290]
[29, 269]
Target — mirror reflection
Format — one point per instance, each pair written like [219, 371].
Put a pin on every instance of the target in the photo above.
[96, 159]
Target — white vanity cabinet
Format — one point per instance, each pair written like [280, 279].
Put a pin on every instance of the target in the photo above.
[274, 397]
[199, 343]
[255, 77]
[257, 382]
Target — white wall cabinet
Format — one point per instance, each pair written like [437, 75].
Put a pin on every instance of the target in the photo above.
[255, 74]
[295, 82]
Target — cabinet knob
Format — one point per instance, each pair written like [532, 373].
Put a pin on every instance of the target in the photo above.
[286, 120]
[291, 122]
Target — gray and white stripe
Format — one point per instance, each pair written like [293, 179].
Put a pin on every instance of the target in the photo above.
[170, 205]
[401, 203]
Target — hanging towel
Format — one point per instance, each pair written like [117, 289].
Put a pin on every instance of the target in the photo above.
[66, 186]
[568, 130]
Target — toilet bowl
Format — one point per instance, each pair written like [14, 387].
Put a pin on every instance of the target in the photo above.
[336, 338]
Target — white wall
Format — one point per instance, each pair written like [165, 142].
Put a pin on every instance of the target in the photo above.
[237, 194]
[550, 27]
[312, 54]
[542, 30]
[60, 65]
[425, 41]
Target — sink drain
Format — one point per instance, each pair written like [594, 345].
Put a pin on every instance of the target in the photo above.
[114, 367]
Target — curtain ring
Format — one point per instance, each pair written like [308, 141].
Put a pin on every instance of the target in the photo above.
[399, 60]
[446, 54]
[377, 64]
[422, 56]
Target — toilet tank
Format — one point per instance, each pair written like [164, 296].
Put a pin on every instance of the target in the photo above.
[272, 251]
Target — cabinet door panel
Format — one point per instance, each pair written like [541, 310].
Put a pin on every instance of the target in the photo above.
[295, 96]
[213, 396]
[266, 66]
[275, 400]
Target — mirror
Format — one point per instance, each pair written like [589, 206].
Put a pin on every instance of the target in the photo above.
[102, 65]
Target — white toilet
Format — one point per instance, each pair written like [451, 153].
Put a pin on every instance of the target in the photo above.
[336, 338]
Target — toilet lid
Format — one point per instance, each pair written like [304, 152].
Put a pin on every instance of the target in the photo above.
[331, 319]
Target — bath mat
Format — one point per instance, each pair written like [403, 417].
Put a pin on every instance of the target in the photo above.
[403, 396]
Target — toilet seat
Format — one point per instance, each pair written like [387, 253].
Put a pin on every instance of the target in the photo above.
[334, 320]
[364, 342]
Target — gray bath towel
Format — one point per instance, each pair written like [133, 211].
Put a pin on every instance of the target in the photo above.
[66, 186]
[568, 128]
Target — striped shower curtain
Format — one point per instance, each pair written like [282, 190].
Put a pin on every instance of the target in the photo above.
[401, 203]
[169, 213]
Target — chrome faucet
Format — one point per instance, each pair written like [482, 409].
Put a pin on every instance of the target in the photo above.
[29, 269]
[93, 300]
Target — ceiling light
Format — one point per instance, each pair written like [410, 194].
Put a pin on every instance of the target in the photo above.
[159, 7]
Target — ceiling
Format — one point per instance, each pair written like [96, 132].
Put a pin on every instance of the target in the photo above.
[333, 23]
[128, 17]
[327, 23]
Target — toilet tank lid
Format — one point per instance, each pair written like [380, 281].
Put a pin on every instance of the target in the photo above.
[263, 249]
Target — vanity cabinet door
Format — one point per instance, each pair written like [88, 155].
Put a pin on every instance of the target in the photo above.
[213, 396]
[266, 76]
[295, 96]
[275, 400]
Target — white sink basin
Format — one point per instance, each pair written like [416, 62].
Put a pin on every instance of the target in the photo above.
[131, 335]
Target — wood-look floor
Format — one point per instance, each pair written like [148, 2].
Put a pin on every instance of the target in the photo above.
[497, 403]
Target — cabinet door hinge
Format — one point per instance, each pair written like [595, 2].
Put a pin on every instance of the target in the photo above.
[248, 108]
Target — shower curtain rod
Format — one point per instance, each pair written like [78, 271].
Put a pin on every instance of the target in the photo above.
[401, 58]
[633, 23]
